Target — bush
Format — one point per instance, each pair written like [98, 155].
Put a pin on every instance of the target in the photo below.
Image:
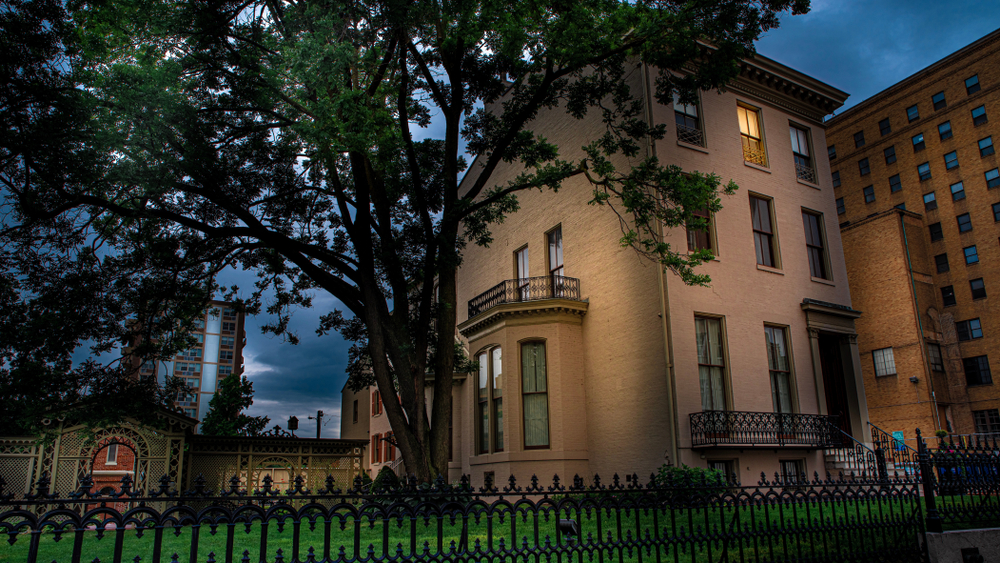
[684, 484]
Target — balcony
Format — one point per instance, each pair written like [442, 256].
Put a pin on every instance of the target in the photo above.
[763, 430]
[805, 173]
[525, 289]
[690, 135]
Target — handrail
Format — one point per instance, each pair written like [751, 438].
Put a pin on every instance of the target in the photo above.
[525, 289]
[893, 450]
[760, 429]
[857, 455]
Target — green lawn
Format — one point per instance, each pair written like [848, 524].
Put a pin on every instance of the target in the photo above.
[774, 533]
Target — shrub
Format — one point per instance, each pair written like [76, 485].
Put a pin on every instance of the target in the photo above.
[684, 484]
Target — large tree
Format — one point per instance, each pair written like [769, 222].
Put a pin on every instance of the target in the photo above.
[283, 136]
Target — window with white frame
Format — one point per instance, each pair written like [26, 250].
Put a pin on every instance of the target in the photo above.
[885, 364]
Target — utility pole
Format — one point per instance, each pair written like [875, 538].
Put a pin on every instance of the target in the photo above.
[319, 423]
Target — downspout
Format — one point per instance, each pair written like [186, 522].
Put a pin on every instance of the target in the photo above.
[668, 344]
[920, 326]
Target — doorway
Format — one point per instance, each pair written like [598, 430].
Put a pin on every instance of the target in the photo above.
[832, 361]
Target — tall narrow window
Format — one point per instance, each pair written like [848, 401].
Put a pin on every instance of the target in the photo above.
[483, 405]
[978, 287]
[971, 255]
[859, 139]
[941, 263]
[935, 231]
[992, 178]
[711, 363]
[944, 130]
[863, 167]
[534, 388]
[918, 142]
[831, 151]
[939, 101]
[763, 231]
[751, 136]
[497, 389]
[979, 116]
[869, 192]
[698, 231]
[688, 124]
[895, 184]
[841, 209]
[885, 364]
[957, 191]
[556, 252]
[781, 371]
[812, 222]
[521, 261]
[964, 223]
[355, 411]
[801, 154]
[836, 178]
[948, 296]
[934, 357]
[884, 127]
[951, 160]
[112, 455]
[912, 113]
[890, 154]
[986, 147]
[924, 171]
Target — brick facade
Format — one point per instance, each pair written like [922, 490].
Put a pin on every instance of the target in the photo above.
[897, 280]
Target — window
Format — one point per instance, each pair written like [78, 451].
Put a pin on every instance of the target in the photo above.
[375, 457]
[831, 151]
[863, 167]
[226, 356]
[112, 458]
[727, 467]
[186, 369]
[376, 402]
[930, 201]
[986, 147]
[836, 179]
[971, 255]
[979, 116]
[978, 288]
[977, 370]
[935, 231]
[711, 363]
[924, 170]
[885, 364]
[763, 232]
[355, 411]
[780, 368]
[869, 194]
[972, 84]
[996, 211]
[944, 130]
[199, 324]
[228, 327]
[751, 136]
[388, 450]
[148, 365]
[229, 314]
[987, 421]
[535, 395]
[993, 178]
[841, 209]
[951, 160]
[941, 262]
[521, 265]
[793, 471]
[813, 224]
[957, 191]
[934, 357]
[555, 241]
[890, 154]
[912, 113]
[884, 128]
[225, 371]
[948, 295]
[190, 354]
[698, 233]
[969, 330]
[859, 139]
[801, 154]
[227, 342]
[688, 124]
[939, 101]
[918, 142]
[964, 223]
[894, 183]
[489, 404]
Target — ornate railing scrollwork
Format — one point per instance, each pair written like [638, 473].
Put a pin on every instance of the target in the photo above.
[751, 429]
[525, 289]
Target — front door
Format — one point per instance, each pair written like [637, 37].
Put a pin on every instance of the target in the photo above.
[833, 379]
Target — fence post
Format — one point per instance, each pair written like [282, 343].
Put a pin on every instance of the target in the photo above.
[927, 479]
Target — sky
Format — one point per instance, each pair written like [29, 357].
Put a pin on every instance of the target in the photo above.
[858, 46]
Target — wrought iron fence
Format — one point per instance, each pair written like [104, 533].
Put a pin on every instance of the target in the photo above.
[894, 453]
[698, 521]
[690, 135]
[525, 289]
[713, 428]
[961, 480]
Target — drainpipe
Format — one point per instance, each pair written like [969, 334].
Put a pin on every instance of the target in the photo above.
[920, 326]
[668, 345]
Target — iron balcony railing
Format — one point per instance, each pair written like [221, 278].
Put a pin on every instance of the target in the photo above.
[764, 429]
[753, 152]
[690, 135]
[525, 289]
[805, 173]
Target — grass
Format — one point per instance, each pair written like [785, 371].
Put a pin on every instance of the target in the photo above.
[807, 529]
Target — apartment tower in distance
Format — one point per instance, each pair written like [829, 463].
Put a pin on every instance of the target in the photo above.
[915, 174]
[216, 354]
[592, 360]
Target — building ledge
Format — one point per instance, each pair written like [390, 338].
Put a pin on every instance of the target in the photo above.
[525, 312]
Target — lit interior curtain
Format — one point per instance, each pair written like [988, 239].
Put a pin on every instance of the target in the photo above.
[534, 387]
[709, 336]
[498, 398]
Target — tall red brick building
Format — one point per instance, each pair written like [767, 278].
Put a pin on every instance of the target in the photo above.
[915, 173]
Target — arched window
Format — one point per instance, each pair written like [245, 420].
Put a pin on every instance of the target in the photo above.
[535, 398]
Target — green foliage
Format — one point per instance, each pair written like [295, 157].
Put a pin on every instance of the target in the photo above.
[684, 483]
[226, 416]
[160, 142]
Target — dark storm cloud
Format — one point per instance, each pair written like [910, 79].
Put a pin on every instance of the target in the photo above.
[863, 47]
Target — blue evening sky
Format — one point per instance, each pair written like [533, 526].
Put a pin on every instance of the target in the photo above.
[860, 47]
